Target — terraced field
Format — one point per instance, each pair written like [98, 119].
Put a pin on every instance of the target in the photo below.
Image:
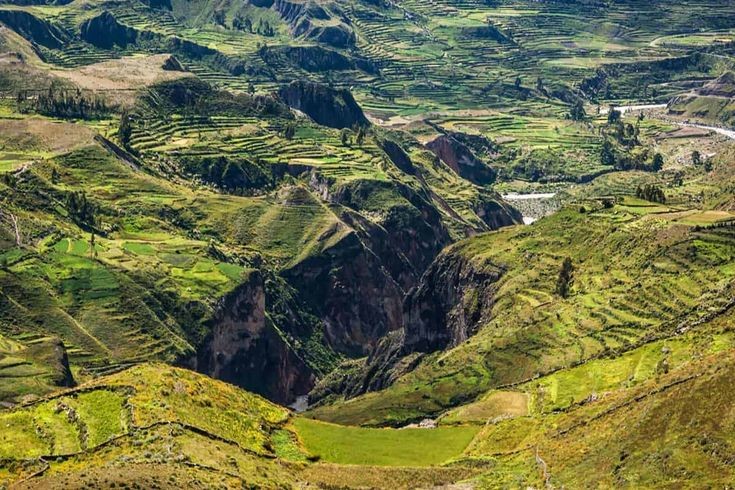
[301, 199]
[630, 289]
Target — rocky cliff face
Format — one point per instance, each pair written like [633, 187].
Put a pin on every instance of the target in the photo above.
[245, 348]
[456, 155]
[357, 299]
[34, 29]
[495, 212]
[398, 156]
[52, 353]
[327, 106]
[410, 232]
[451, 301]
[448, 305]
[315, 22]
[104, 31]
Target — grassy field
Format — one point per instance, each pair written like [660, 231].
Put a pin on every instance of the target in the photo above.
[382, 447]
[167, 427]
[158, 203]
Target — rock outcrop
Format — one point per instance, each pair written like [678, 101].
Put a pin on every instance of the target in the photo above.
[104, 31]
[172, 64]
[316, 58]
[37, 30]
[397, 155]
[246, 348]
[319, 59]
[456, 155]
[327, 106]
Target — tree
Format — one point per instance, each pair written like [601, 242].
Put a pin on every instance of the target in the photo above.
[577, 112]
[289, 131]
[658, 162]
[80, 209]
[219, 17]
[125, 130]
[344, 137]
[360, 134]
[242, 23]
[613, 115]
[696, 158]
[651, 192]
[565, 277]
[607, 154]
[92, 248]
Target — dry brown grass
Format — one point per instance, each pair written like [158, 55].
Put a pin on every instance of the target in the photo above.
[14, 47]
[42, 135]
[350, 476]
[496, 405]
[120, 78]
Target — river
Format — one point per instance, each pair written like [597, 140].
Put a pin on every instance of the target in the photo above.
[538, 205]
[649, 107]
[533, 206]
[723, 131]
[632, 108]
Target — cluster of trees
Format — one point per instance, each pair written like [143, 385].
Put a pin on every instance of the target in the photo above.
[613, 155]
[577, 112]
[626, 134]
[356, 135]
[125, 130]
[242, 23]
[63, 103]
[651, 192]
[80, 209]
[289, 130]
[620, 138]
[698, 161]
[565, 277]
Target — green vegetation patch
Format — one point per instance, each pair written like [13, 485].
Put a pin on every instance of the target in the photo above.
[383, 447]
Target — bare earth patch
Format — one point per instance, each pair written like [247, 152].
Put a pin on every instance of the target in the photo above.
[686, 132]
[42, 135]
[496, 405]
[125, 74]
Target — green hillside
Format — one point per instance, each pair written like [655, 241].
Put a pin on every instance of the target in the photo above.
[366, 243]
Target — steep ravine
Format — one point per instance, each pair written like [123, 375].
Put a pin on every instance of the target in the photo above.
[246, 348]
[365, 294]
[452, 299]
[351, 281]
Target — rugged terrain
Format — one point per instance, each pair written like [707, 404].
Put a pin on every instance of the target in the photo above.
[206, 203]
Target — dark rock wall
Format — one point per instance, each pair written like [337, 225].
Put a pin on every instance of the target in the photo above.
[246, 349]
[335, 108]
